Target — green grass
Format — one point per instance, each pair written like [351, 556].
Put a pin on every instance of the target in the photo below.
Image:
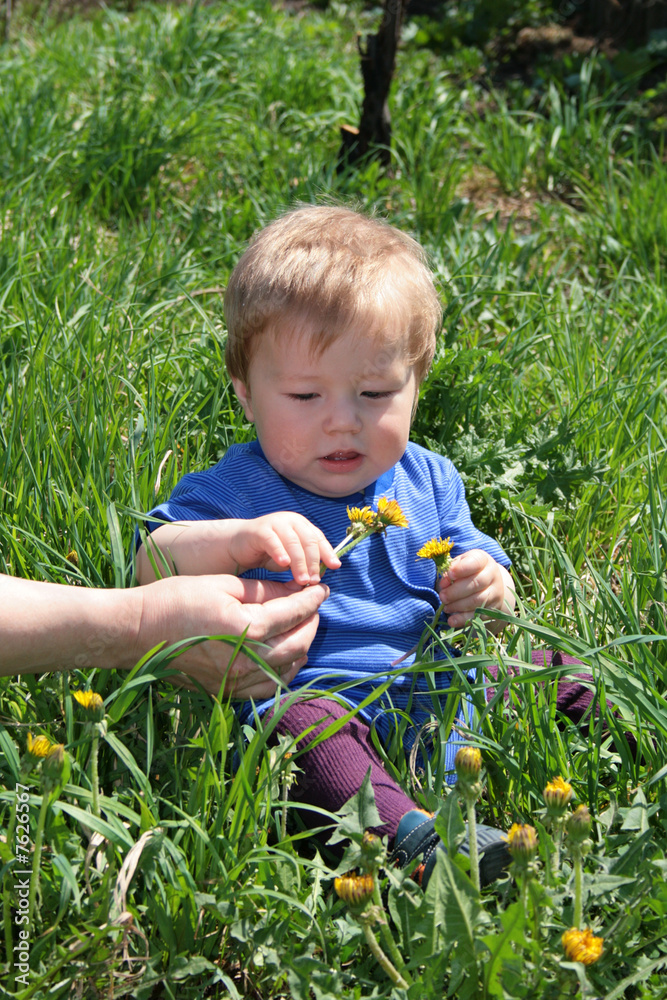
[138, 153]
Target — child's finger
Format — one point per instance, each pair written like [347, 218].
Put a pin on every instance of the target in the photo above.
[327, 556]
[273, 548]
[318, 550]
[311, 551]
[467, 565]
[462, 590]
[297, 549]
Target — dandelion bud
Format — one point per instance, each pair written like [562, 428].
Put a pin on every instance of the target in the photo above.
[468, 763]
[522, 843]
[53, 767]
[355, 890]
[582, 946]
[579, 825]
[372, 851]
[92, 704]
[558, 794]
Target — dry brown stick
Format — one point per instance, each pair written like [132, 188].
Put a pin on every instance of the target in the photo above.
[378, 59]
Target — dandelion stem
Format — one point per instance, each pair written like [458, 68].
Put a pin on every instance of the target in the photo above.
[536, 922]
[385, 930]
[347, 545]
[558, 843]
[380, 956]
[346, 541]
[578, 887]
[94, 776]
[351, 540]
[37, 856]
[286, 787]
[472, 840]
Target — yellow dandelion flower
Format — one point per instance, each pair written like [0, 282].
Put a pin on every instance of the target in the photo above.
[389, 514]
[436, 547]
[439, 550]
[558, 794]
[365, 522]
[39, 747]
[91, 702]
[582, 946]
[361, 515]
[522, 842]
[356, 890]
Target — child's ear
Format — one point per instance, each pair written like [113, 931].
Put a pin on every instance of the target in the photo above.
[243, 393]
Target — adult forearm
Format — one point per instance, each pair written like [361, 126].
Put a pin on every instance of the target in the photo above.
[47, 626]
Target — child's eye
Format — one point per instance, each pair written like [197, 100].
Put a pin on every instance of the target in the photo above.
[303, 396]
[377, 395]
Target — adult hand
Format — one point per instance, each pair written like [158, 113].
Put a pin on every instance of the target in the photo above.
[51, 626]
[279, 615]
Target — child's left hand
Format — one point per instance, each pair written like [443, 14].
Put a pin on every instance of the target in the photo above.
[475, 580]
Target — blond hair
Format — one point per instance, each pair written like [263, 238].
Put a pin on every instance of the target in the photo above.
[329, 269]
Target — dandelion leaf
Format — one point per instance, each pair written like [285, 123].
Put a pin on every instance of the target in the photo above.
[311, 979]
[456, 910]
[406, 906]
[449, 824]
[641, 974]
[358, 814]
[636, 817]
[501, 952]
[186, 966]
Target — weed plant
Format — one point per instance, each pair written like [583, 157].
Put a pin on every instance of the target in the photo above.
[138, 153]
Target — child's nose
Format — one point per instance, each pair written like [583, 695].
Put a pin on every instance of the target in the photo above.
[343, 417]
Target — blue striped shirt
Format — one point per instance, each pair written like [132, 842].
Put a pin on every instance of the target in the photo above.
[381, 597]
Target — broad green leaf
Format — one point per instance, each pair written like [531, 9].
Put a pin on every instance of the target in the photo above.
[456, 910]
[449, 824]
[358, 814]
[513, 920]
[637, 816]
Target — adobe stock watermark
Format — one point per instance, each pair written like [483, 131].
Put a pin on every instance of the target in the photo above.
[20, 877]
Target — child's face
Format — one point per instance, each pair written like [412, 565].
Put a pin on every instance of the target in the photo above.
[331, 422]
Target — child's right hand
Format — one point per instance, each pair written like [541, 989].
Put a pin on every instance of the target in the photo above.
[282, 541]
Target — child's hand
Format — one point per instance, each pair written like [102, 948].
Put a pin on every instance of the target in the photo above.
[280, 541]
[475, 580]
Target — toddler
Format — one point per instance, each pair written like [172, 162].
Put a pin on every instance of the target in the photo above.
[332, 320]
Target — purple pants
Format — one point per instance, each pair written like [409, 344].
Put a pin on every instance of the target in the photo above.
[332, 772]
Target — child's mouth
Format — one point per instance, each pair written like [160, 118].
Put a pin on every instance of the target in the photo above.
[341, 461]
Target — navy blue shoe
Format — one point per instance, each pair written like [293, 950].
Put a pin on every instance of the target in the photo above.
[417, 842]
